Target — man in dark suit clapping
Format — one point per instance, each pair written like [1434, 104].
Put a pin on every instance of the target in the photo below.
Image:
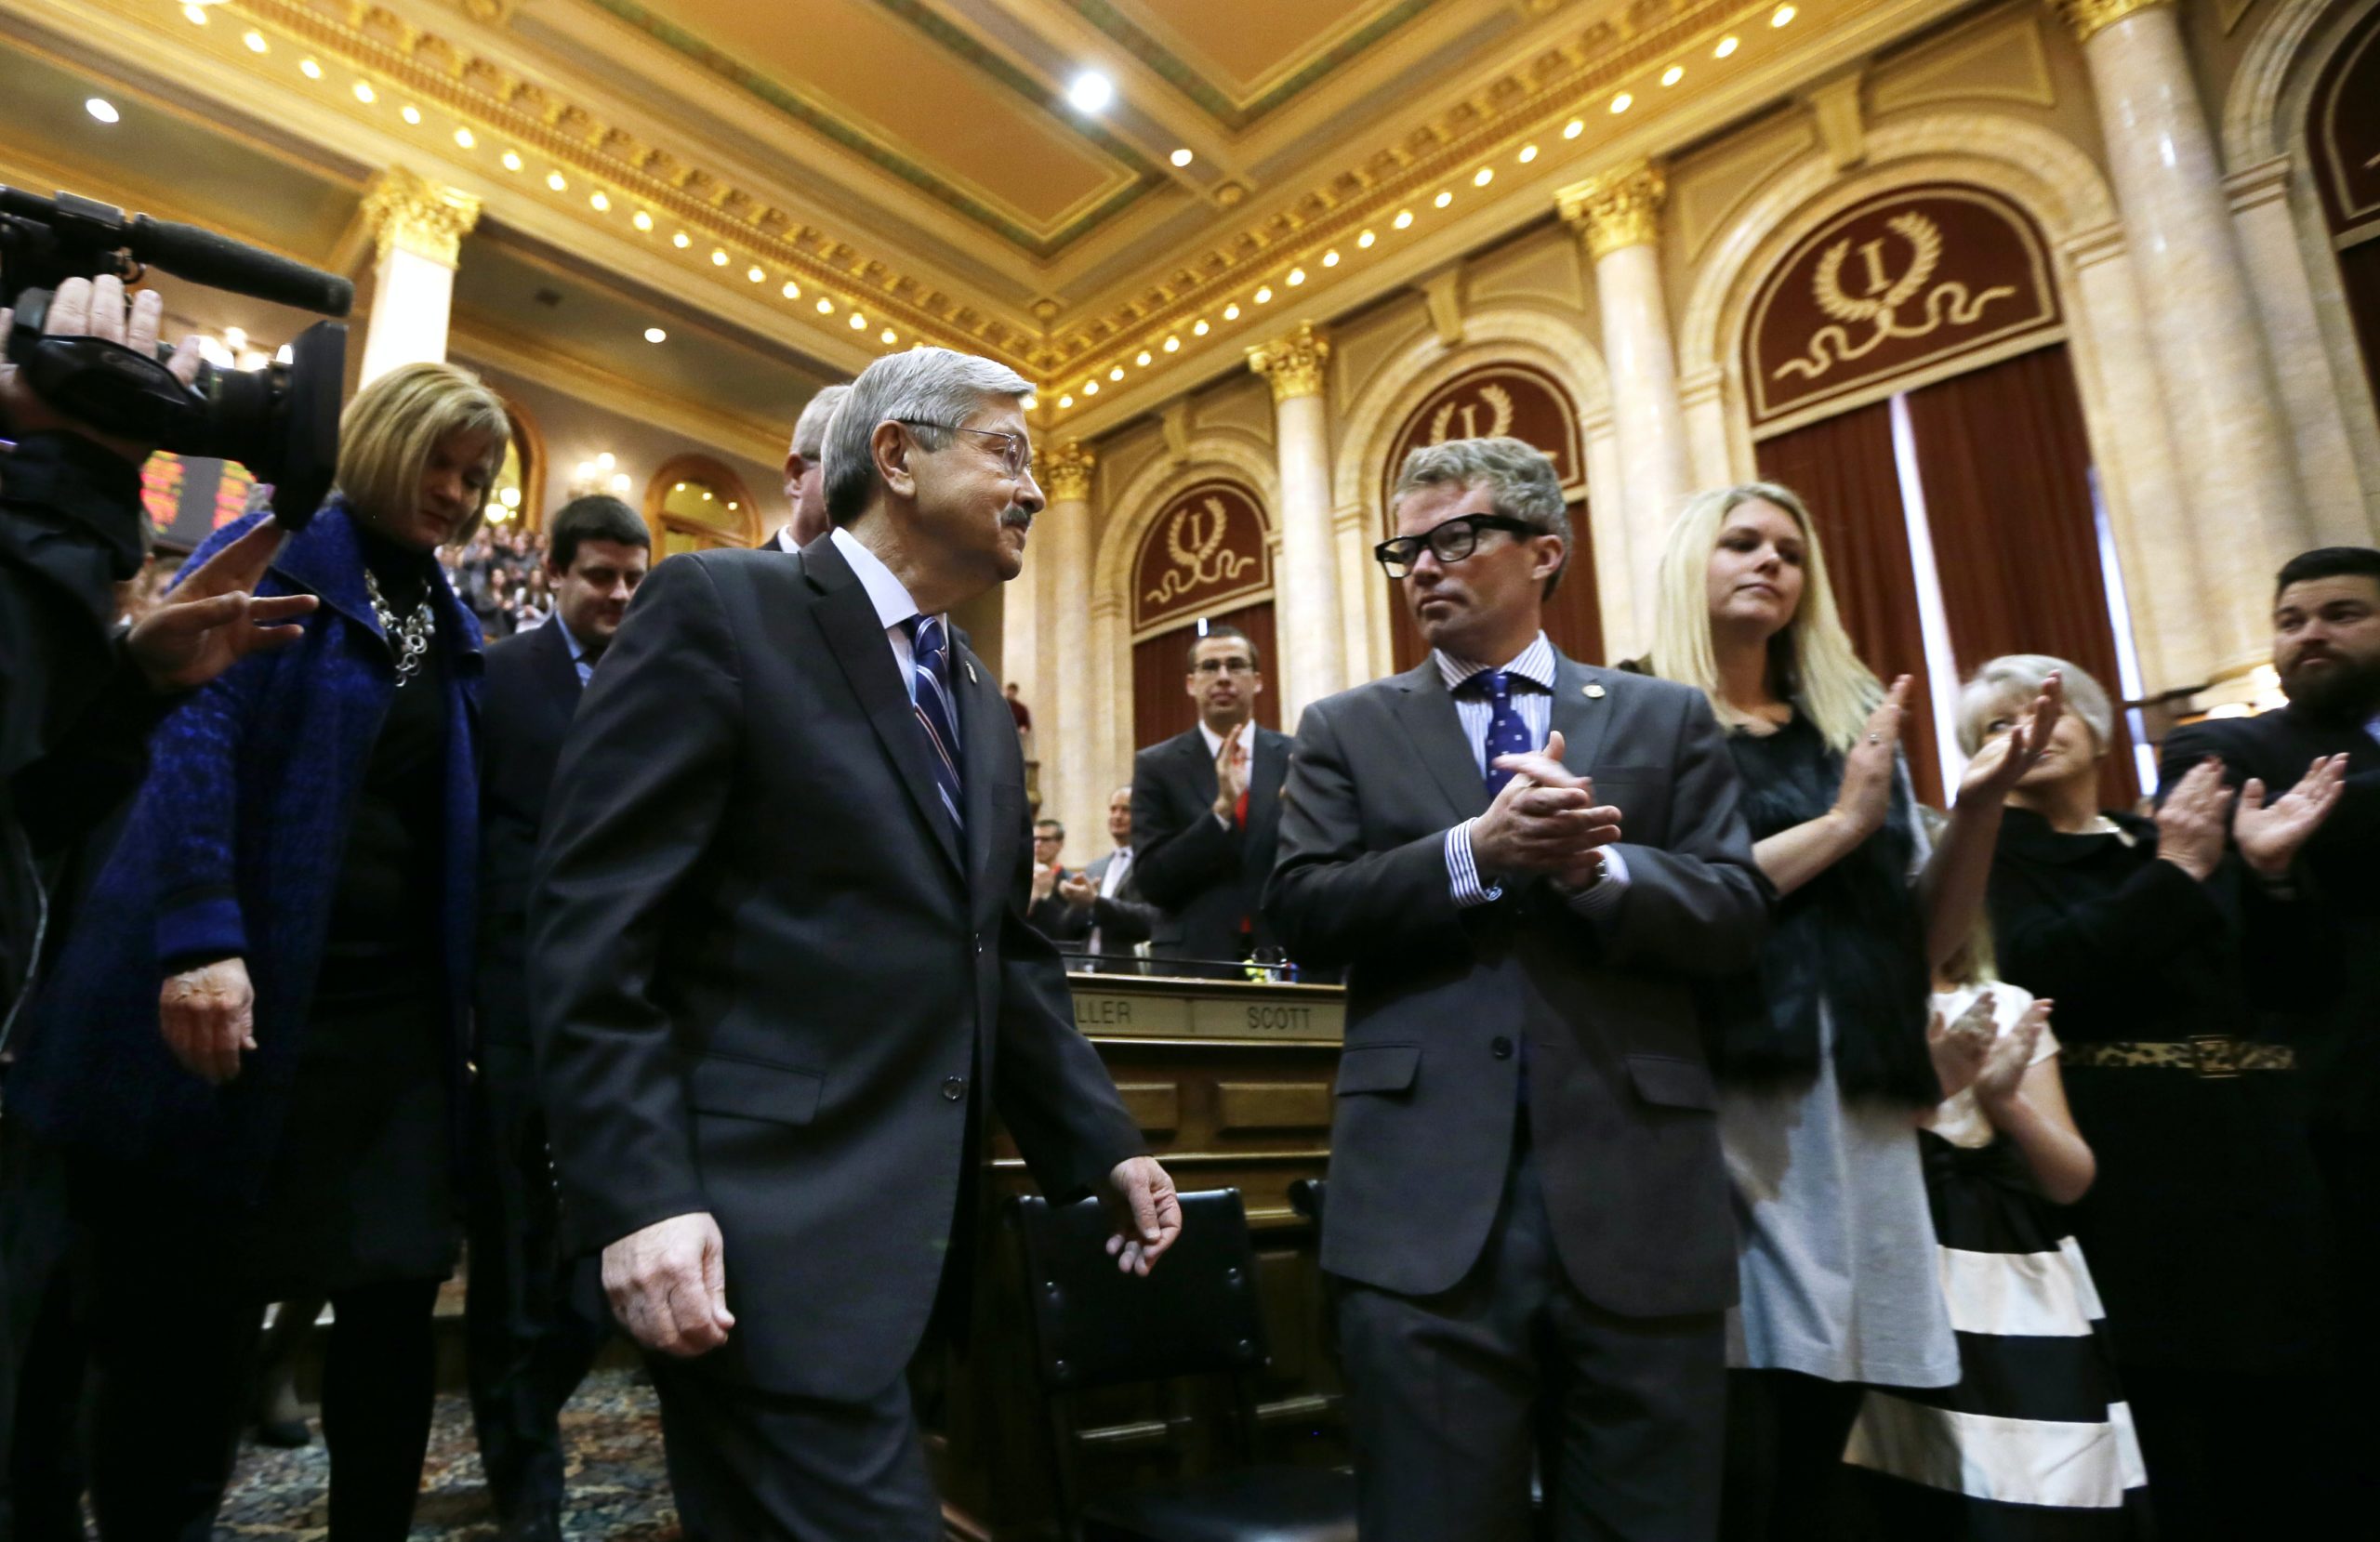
[1206, 813]
[532, 1339]
[1524, 861]
[781, 975]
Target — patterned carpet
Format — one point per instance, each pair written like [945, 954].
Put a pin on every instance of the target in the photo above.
[618, 1491]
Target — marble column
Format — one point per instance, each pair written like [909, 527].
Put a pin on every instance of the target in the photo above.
[1352, 533]
[1063, 726]
[1617, 215]
[1024, 614]
[2247, 512]
[1309, 629]
[418, 228]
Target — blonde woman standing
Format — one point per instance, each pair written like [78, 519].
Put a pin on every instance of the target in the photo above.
[1824, 1059]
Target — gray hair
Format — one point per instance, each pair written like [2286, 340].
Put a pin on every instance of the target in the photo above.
[2019, 677]
[810, 429]
[1520, 478]
[921, 387]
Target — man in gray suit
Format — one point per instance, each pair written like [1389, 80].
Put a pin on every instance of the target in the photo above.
[1104, 894]
[1524, 861]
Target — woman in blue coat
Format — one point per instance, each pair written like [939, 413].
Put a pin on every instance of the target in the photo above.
[258, 1035]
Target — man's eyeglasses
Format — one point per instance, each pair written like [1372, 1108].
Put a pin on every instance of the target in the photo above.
[1016, 452]
[1450, 542]
[1213, 667]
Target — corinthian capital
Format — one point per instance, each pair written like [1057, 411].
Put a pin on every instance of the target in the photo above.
[409, 211]
[1293, 361]
[2090, 18]
[1616, 208]
[1067, 472]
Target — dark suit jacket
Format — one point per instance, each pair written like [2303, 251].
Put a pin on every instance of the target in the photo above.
[2338, 874]
[1622, 1107]
[1057, 920]
[769, 980]
[1203, 878]
[530, 692]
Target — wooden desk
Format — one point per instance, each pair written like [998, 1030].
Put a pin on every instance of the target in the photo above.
[1231, 1085]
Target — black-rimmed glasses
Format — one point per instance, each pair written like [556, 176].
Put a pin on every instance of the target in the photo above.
[1016, 452]
[1449, 541]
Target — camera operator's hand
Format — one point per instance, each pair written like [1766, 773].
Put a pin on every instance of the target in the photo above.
[212, 620]
[93, 308]
[208, 1016]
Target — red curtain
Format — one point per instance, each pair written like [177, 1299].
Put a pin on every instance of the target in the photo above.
[1573, 617]
[1843, 468]
[2007, 474]
[1161, 708]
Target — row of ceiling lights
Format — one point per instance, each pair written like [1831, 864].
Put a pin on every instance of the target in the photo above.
[1296, 275]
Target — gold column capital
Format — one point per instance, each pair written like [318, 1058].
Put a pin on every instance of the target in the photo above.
[409, 211]
[1292, 361]
[1616, 208]
[2087, 19]
[1067, 472]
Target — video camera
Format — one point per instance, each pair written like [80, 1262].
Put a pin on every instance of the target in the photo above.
[281, 422]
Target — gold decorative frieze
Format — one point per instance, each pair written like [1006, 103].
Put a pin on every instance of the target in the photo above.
[2090, 18]
[410, 213]
[1066, 472]
[1616, 208]
[1292, 363]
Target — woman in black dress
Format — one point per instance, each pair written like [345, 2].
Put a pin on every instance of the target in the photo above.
[2204, 1229]
[297, 872]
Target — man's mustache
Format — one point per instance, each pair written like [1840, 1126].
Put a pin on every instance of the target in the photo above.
[1017, 515]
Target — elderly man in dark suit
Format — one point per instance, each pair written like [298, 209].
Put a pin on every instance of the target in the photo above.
[2326, 649]
[805, 474]
[531, 1336]
[1525, 862]
[1206, 815]
[781, 973]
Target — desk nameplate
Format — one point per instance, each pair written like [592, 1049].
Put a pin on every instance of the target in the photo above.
[1136, 1014]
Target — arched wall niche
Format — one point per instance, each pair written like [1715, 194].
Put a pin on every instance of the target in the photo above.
[736, 521]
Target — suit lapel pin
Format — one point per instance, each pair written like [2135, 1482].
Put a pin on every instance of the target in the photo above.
[1593, 693]
[970, 673]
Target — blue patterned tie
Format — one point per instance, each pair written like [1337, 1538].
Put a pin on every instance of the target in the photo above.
[1507, 730]
[929, 663]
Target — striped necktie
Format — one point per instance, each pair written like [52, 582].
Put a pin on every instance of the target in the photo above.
[930, 666]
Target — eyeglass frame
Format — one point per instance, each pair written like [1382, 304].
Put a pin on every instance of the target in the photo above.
[1387, 553]
[1018, 453]
[1226, 667]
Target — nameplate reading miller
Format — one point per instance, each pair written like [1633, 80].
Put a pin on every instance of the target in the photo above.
[1184, 1009]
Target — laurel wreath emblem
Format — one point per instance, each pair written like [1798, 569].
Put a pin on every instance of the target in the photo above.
[1499, 408]
[1196, 546]
[1948, 304]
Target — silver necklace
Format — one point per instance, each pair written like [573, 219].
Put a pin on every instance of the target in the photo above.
[409, 639]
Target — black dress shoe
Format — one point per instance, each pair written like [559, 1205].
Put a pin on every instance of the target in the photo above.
[283, 1435]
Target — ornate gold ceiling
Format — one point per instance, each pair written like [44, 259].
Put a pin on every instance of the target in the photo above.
[847, 177]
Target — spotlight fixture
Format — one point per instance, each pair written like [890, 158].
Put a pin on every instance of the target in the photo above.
[1728, 45]
[1142, 359]
[554, 180]
[825, 306]
[1065, 402]
[512, 160]
[1484, 177]
[1528, 153]
[1575, 127]
[1231, 312]
[1264, 295]
[755, 273]
[655, 334]
[411, 115]
[1115, 374]
[102, 109]
[717, 258]
[888, 337]
[791, 291]
[1623, 102]
[465, 139]
[255, 40]
[1091, 91]
[1331, 258]
[1182, 157]
[1200, 328]
[600, 202]
[681, 240]
[364, 94]
[859, 322]
[1366, 240]
[1297, 276]
[1091, 387]
[1173, 345]
[641, 220]
[1780, 15]
[196, 13]
[1403, 219]
[1443, 199]
[309, 68]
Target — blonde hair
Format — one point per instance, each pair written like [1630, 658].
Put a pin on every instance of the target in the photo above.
[388, 432]
[1813, 658]
[2019, 677]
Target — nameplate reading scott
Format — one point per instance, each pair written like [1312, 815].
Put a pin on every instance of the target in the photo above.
[1120, 1015]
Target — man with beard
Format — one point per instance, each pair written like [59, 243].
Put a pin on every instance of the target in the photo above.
[532, 1338]
[1206, 814]
[2326, 648]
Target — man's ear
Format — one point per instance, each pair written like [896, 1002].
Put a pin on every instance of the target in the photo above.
[794, 466]
[891, 446]
[1550, 550]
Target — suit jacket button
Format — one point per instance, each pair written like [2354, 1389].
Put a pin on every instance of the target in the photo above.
[1501, 1047]
[954, 1088]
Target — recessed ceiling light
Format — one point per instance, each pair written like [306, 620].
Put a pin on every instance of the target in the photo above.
[1143, 359]
[102, 109]
[717, 258]
[1528, 153]
[1231, 312]
[1404, 219]
[364, 94]
[825, 306]
[1366, 240]
[1728, 45]
[1182, 157]
[235, 338]
[1091, 91]
[197, 15]
[1781, 15]
[680, 241]
[309, 68]
[255, 40]
[1671, 75]
[1484, 177]
[1443, 199]
[1297, 276]
[554, 180]
[1623, 102]
[512, 160]
[655, 334]
[1575, 127]
[1264, 296]
[1200, 328]
[888, 337]
[1065, 402]
[1115, 374]
[1173, 345]
[859, 322]
[1331, 258]
[1091, 387]
[1028, 401]
[410, 115]
[600, 202]
[643, 219]
[791, 291]
[464, 138]
[754, 273]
